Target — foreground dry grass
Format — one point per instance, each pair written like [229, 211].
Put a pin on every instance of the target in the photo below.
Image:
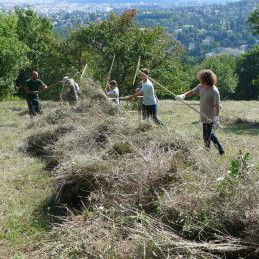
[131, 190]
[23, 183]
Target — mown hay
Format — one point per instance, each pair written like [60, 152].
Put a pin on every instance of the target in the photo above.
[57, 114]
[139, 188]
[103, 233]
[41, 144]
[76, 182]
[121, 148]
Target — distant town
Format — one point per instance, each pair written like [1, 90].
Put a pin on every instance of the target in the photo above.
[50, 7]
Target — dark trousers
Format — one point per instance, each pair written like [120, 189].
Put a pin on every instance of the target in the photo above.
[209, 136]
[151, 111]
[33, 105]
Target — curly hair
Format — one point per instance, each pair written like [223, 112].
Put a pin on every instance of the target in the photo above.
[207, 77]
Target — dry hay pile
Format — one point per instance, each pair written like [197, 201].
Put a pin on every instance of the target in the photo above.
[137, 190]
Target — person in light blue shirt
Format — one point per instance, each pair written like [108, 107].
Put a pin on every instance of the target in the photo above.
[112, 91]
[149, 102]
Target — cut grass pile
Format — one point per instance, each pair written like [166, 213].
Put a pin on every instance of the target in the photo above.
[135, 190]
[142, 190]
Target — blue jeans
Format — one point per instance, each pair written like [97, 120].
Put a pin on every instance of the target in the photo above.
[151, 111]
[209, 136]
[33, 105]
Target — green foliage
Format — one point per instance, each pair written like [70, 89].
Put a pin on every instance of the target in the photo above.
[238, 169]
[11, 98]
[121, 36]
[12, 53]
[224, 66]
[253, 21]
[27, 42]
[240, 166]
[248, 70]
[43, 50]
[248, 65]
[36, 33]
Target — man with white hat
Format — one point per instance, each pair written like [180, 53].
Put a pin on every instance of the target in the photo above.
[73, 93]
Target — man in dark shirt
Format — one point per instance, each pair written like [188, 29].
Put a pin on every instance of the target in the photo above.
[32, 89]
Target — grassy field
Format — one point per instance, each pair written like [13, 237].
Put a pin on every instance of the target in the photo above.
[239, 120]
[25, 185]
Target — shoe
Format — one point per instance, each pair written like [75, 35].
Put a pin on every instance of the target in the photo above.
[219, 148]
[221, 151]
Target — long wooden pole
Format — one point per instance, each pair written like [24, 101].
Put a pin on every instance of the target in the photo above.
[137, 68]
[139, 100]
[83, 70]
[54, 84]
[61, 93]
[109, 76]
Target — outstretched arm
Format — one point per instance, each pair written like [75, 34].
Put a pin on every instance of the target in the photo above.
[43, 87]
[183, 96]
[138, 92]
[107, 88]
[189, 93]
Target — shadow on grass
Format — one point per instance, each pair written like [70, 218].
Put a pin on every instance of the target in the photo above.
[23, 113]
[9, 125]
[241, 127]
[49, 213]
[16, 109]
[197, 122]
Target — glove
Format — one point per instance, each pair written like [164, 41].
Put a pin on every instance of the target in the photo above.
[179, 97]
[216, 122]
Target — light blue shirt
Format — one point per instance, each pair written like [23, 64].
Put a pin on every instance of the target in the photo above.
[115, 94]
[149, 97]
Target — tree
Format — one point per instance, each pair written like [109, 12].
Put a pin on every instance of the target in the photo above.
[224, 66]
[248, 71]
[43, 49]
[12, 54]
[121, 36]
[248, 66]
[253, 21]
[36, 32]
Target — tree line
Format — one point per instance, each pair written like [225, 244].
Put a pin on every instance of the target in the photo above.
[29, 42]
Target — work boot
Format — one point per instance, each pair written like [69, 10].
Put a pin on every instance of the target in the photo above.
[217, 144]
[221, 150]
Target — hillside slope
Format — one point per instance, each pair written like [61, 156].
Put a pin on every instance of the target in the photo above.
[92, 181]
